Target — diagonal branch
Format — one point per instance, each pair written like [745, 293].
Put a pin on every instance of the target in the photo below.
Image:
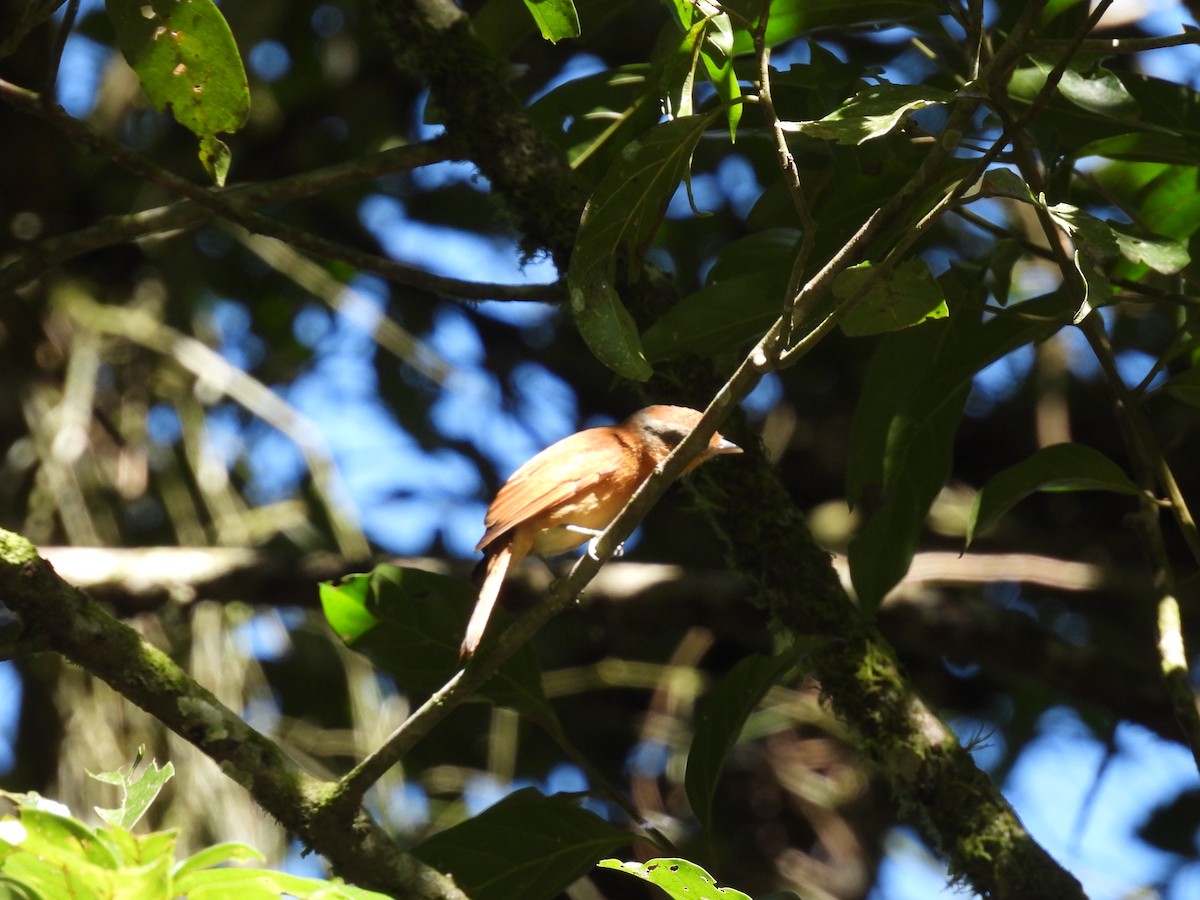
[402, 273]
[183, 214]
[61, 618]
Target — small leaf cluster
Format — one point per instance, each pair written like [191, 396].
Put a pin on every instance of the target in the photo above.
[49, 854]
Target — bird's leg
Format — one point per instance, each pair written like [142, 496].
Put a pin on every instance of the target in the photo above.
[595, 536]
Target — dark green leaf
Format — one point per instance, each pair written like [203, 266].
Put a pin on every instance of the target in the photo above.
[908, 296]
[556, 19]
[410, 622]
[682, 880]
[185, 57]
[591, 118]
[881, 552]
[903, 429]
[1185, 387]
[1165, 128]
[618, 222]
[1060, 467]
[720, 723]
[526, 846]
[607, 327]
[743, 297]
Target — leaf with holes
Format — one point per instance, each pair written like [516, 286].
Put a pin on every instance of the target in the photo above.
[682, 880]
[186, 58]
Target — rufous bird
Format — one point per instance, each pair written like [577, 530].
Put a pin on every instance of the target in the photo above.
[572, 490]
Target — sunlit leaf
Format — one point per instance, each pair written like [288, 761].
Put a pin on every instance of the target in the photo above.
[908, 296]
[873, 112]
[186, 58]
[137, 793]
[682, 880]
[556, 19]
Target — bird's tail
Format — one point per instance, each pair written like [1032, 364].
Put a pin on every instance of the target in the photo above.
[497, 568]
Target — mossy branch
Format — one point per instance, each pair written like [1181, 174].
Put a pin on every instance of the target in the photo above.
[59, 617]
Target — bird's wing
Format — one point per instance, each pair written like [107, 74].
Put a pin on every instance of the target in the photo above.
[554, 476]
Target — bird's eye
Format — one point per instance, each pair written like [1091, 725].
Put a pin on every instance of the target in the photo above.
[673, 435]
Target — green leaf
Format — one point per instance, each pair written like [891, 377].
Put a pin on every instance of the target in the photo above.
[743, 297]
[607, 327]
[210, 857]
[619, 221]
[901, 439]
[152, 855]
[682, 880]
[908, 296]
[720, 724]
[593, 117]
[1161, 254]
[185, 57]
[1097, 290]
[1164, 128]
[1185, 387]
[253, 884]
[1100, 91]
[557, 19]
[873, 112]
[1006, 183]
[717, 56]
[136, 793]
[1090, 234]
[792, 18]
[1059, 467]
[70, 839]
[527, 845]
[1101, 241]
[344, 603]
[410, 622]
[678, 79]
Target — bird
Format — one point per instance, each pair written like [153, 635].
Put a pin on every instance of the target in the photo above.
[571, 491]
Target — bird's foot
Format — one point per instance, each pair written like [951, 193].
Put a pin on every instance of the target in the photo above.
[619, 550]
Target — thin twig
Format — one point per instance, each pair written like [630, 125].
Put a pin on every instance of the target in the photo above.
[56, 52]
[791, 173]
[27, 101]
[35, 259]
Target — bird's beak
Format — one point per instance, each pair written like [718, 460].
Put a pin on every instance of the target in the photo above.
[724, 445]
